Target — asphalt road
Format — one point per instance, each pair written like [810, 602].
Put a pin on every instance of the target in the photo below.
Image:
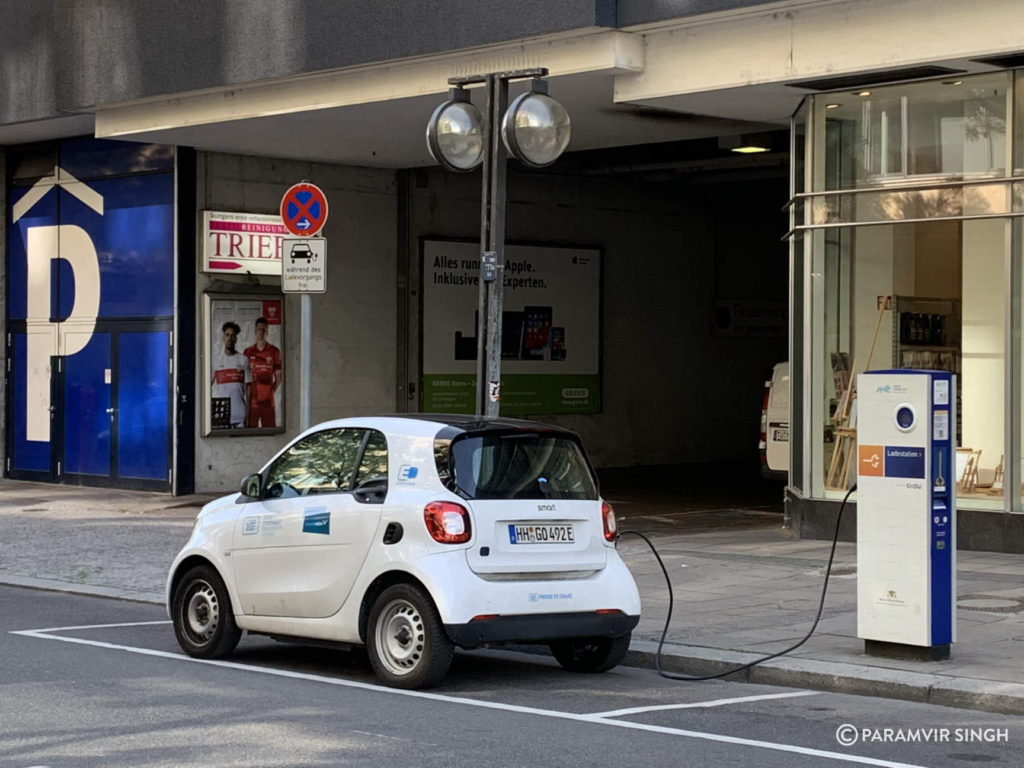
[88, 681]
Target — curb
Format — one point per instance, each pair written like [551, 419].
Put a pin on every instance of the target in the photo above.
[86, 590]
[836, 677]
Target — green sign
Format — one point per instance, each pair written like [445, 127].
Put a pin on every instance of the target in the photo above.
[550, 334]
[521, 395]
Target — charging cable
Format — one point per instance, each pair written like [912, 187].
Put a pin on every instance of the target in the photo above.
[671, 602]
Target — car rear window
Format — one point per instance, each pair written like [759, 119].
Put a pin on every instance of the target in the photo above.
[518, 466]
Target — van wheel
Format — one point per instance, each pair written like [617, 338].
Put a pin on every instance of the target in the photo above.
[201, 611]
[407, 644]
[591, 654]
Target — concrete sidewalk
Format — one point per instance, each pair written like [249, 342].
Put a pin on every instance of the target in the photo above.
[741, 592]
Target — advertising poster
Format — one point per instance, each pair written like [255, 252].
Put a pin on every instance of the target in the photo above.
[550, 336]
[244, 365]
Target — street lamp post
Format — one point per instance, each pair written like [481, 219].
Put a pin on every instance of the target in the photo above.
[535, 130]
[492, 247]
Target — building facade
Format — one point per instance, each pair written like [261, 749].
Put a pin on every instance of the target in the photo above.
[147, 147]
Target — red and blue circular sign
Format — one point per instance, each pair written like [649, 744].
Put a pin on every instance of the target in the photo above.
[304, 209]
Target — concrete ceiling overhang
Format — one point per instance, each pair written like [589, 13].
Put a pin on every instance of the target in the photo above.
[44, 130]
[377, 115]
[724, 74]
[747, 66]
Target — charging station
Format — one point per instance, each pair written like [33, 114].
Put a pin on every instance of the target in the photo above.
[906, 513]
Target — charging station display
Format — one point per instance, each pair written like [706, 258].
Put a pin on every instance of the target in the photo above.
[906, 502]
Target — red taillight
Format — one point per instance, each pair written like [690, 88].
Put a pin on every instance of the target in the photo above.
[447, 522]
[608, 521]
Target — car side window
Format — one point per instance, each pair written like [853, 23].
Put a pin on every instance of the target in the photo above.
[372, 478]
[324, 462]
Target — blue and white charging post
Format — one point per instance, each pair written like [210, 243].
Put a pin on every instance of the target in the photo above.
[906, 513]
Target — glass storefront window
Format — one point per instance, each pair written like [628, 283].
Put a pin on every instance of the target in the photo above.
[798, 184]
[906, 133]
[941, 202]
[1018, 128]
[906, 224]
[914, 295]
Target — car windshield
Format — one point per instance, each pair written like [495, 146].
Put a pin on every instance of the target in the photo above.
[521, 466]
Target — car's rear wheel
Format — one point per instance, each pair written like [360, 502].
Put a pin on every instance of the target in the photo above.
[201, 611]
[591, 654]
[406, 641]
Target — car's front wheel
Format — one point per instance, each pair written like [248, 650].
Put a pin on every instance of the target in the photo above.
[201, 611]
[406, 641]
[591, 654]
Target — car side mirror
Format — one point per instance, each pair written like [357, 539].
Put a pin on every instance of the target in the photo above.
[252, 486]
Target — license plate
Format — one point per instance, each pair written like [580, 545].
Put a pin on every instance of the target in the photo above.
[541, 534]
[780, 435]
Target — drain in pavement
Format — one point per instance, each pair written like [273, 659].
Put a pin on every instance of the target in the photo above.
[990, 604]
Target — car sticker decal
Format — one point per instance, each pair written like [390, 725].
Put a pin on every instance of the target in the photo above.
[250, 526]
[407, 474]
[271, 525]
[535, 597]
[317, 520]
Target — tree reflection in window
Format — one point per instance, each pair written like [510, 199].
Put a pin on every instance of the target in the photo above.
[324, 462]
[374, 466]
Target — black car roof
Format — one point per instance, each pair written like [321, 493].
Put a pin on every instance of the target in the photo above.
[476, 423]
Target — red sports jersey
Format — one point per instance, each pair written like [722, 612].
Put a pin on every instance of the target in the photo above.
[263, 362]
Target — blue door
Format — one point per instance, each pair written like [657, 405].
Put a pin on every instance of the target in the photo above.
[87, 409]
[115, 405]
[143, 414]
[27, 457]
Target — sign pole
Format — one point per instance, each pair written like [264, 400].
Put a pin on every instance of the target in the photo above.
[495, 309]
[485, 287]
[492, 259]
[305, 360]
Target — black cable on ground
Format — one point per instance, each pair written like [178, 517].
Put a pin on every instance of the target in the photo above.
[671, 603]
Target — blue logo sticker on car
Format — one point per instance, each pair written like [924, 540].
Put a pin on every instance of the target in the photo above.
[250, 526]
[317, 520]
[535, 597]
[407, 473]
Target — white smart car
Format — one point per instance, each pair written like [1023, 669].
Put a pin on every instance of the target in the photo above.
[412, 535]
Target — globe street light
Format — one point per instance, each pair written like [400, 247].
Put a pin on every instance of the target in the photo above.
[455, 133]
[535, 130]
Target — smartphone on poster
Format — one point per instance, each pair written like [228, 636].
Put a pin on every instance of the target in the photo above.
[536, 331]
[558, 343]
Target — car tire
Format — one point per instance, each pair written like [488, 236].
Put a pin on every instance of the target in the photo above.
[406, 641]
[591, 654]
[204, 623]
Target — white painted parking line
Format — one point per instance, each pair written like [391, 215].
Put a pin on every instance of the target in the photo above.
[42, 634]
[702, 704]
[98, 626]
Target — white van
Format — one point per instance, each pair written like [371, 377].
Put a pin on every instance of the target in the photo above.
[774, 443]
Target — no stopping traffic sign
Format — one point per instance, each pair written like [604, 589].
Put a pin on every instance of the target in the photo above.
[304, 209]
